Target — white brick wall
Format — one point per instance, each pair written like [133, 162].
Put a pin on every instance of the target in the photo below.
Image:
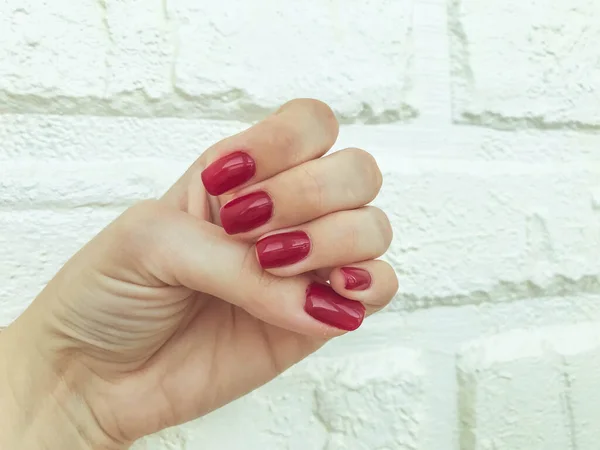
[485, 117]
[534, 389]
[526, 62]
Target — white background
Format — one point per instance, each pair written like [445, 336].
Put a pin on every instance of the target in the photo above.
[485, 118]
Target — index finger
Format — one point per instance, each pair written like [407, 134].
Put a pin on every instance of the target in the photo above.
[299, 131]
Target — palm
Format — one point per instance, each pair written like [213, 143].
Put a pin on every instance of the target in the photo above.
[200, 354]
[169, 353]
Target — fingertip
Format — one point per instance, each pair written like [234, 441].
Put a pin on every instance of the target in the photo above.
[373, 283]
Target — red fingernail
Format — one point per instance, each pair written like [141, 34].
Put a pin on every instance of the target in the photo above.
[327, 306]
[228, 172]
[282, 249]
[356, 279]
[246, 213]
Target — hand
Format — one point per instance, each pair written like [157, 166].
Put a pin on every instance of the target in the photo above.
[174, 309]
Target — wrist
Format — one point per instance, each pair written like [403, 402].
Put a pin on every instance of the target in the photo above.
[40, 406]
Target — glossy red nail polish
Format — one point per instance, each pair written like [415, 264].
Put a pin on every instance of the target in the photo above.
[329, 307]
[246, 212]
[356, 279]
[228, 172]
[282, 249]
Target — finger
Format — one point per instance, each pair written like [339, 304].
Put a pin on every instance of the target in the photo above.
[344, 180]
[299, 131]
[331, 241]
[373, 283]
[173, 248]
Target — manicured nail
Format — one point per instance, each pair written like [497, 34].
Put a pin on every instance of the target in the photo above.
[282, 249]
[228, 172]
[356, 279]
[246, 212]
[329, 307]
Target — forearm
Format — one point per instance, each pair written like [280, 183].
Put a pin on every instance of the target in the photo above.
[38, 409]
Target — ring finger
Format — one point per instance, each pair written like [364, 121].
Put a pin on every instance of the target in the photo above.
[335, 240]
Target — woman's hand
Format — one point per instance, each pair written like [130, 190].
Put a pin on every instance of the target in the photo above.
[185, 303]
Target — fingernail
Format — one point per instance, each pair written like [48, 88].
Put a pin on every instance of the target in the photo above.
[282, 249]
[356, 279]
[247, 212]
[329, 307]
[228, 172]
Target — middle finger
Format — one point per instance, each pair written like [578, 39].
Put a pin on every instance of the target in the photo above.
[344, 180]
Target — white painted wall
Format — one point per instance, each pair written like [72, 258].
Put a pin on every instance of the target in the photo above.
[485, 116]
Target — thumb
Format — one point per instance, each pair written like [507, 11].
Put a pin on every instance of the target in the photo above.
[163, 245]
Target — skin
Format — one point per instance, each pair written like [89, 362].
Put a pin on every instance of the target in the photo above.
[163, 317]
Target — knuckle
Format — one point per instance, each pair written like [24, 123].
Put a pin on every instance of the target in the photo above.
[324, 115]
[315, 107]
[321, 113]
[370, 176]
[138, 227]
[355, 241]
[383, 229]
[281, 135]
[313, 191]
[350, 240]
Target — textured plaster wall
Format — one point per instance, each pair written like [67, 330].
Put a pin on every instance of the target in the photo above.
[485, 117]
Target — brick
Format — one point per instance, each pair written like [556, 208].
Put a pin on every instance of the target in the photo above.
[188, 59]
[140, 51]
[341, 58]
[56, 51]
[96, 57]
[526, 63]
[530, 389]
[373, 400]
[509, 396]
[579, 347]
